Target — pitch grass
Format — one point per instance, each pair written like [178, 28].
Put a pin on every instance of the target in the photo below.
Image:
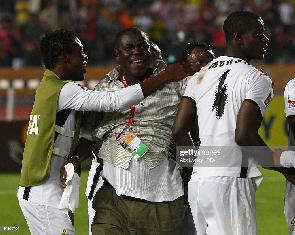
[269, 202]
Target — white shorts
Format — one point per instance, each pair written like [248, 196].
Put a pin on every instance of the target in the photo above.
[223, 205]
[46, 220]
[289, 206]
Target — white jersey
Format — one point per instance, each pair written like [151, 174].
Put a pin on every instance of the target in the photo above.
[288, 157]
[289, 98]
[40, 204]
[219, 90]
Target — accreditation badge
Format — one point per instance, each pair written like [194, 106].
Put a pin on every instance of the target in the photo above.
[134, 145]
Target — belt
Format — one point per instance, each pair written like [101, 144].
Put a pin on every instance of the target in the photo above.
[107, 184]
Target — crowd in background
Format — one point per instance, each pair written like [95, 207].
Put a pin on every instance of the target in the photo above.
[169, 23]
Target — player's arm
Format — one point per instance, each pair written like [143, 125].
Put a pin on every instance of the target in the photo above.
[85, 100]
[194, 131]
[172, 73]
[183, 122]
[184, 130]
[246, 134]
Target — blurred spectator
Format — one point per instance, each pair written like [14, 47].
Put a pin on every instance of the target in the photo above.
[17, 48]
[143, 21]
[22, 12]
[285, 8]
[161, 8]
[157, 32]
[218, 40]
[6, 44]
[48, 16]
[34, 6]
[124, 17]
[170, 24]
[32, 52]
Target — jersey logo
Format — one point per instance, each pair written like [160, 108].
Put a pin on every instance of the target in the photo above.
[291, 102]
[268, 99]
[64, 232]
[220, 96]
[33, 125]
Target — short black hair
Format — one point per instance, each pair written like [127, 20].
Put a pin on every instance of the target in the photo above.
[238, 22]
[192, 45]
[54, 43]
[127, 30]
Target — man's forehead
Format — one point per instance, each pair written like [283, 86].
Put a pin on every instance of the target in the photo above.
[132, 39]
[135, 34]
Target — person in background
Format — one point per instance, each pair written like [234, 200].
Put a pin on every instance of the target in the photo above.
[142, 189]
[287, 158]
[231, 97]
[54, 127]
[196, 55]
[94, 181]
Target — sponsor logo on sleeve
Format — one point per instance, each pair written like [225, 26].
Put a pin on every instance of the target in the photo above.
[291, 102]
[268, 99]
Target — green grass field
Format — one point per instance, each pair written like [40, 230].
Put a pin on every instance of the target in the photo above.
[269, 200]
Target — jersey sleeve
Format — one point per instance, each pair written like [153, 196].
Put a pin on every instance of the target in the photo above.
[259, 90]
[287, 159]
[289, 98]
[74, 97]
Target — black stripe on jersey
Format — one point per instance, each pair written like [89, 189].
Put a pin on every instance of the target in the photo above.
[27, 193]
[221, 96]
[261, 117]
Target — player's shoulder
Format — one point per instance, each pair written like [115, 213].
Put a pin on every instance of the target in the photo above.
[291, 83]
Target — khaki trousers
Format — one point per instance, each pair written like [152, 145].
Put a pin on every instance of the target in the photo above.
[130, 216]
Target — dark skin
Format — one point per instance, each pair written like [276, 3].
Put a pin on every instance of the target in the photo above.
[198, 58]
[247, 46]
[133, 54]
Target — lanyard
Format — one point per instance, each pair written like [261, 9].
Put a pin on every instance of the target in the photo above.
[132, 107]
[131, 115]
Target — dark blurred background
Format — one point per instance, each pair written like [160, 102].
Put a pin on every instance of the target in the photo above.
[170, 24]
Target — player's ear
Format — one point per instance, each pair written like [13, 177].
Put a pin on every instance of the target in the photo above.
[238, 38]
[65, 57]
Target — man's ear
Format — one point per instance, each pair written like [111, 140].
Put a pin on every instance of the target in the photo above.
[238, 38]
[65, 57]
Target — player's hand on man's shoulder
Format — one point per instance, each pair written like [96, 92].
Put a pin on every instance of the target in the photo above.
[177, 71]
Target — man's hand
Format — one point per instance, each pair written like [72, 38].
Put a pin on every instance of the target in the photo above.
[277, 156]
[177, 71]
[63, 174]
